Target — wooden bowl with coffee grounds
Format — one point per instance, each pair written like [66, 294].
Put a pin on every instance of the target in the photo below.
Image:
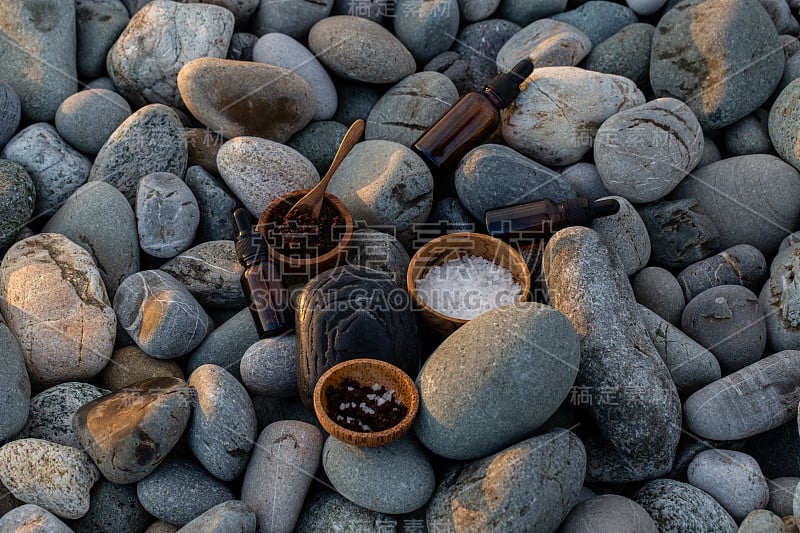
[453, 246]
[366, 402]
[306, 247]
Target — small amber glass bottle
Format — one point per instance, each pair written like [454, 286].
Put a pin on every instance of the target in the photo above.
[263, 286]
[471, 120]
[544, 217]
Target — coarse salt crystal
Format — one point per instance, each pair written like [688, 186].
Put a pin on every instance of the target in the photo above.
[467, 287]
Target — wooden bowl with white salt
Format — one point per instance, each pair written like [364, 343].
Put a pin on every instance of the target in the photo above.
[458, 276]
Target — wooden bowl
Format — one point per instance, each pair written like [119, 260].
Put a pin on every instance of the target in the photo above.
[300, 270]
[453, 246]
[367, 372]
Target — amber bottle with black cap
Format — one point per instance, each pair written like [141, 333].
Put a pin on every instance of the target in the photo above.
[471, 120]
[544, 217]
[266, 294]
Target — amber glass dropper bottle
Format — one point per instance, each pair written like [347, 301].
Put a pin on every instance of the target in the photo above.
[542, 218]
[264, 290]
[471, 120]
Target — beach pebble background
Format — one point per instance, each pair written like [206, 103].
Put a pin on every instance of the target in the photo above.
[652, 383]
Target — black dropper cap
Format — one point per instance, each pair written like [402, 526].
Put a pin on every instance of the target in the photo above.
[505, 87]
[249, 243]
[580, 211]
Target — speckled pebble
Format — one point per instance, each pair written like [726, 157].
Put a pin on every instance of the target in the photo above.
[269, 367]
[55, 477]
[17, 200]
[658, 290]
[113, 509]
[478, 44]
[180, 490]
[626, 234]
[231, 516]
[10, 112]
[677, 506]
[330, 511]
[222, 428]
[56, 168]
[51, 411]
[15, 394]
[30, 518]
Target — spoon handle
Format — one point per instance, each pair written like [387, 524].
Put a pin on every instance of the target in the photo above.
[350, 139]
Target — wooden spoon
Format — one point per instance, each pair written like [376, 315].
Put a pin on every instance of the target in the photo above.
[312, 201]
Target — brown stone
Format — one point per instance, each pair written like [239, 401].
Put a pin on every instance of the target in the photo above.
[130, 364]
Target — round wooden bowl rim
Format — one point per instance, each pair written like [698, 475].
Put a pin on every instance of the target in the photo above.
[320, 259]
[366, 439]
[438, 241]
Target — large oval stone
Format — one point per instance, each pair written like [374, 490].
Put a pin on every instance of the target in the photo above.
[528, 487]
[718, 56]
[237, 98]
[639, 412]
[337, 322]
[129, 432]
[56, 305]
[478, 391]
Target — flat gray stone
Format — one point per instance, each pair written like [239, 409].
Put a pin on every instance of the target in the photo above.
[330, 511]
[238, 98]
[750, 401]
[226, 517]
[269, 367]
[690, 364]
[55, 477]
[409, 108]
[151, 140]
[356, 49]
[216, 205]
[598, 19]
[608, 512]
[476, 394]
[680, 231]
[781, 495]
[559, 110]
[17, 200]
[50, 415]
[259, 170]
[31, 518]
[547, 43]
[282, 51]
[524, 12]
[426, 27]
[277, 478]
[355, 101]
[242, 10]
[395, 478]
[644, 152]
[472, 10]
[10, 113]
[226, 345]
[39, 34]
[293, 17]
[658, 290]
[586, 181]
[385, 184]
[154, 295]
[69, 334]
[534, 485]
[128, 433]
[222, 429]
[100, 22]
[87, 119]
[769, 187]
[626, 53]
[167, 215]
[318, 142]
[492, 176]
[99, 218]
[160, 39]
[700, 44]
[113, 509]
[616, 353]
[179, 491]
[56, 168]
[211, 271]
[738, 265]
[733, 478]
[678, 506]
[749, 135]
[729, 321]
[15, 392]
[625, 234]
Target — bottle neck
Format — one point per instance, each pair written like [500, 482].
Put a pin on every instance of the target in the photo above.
[494, 98]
